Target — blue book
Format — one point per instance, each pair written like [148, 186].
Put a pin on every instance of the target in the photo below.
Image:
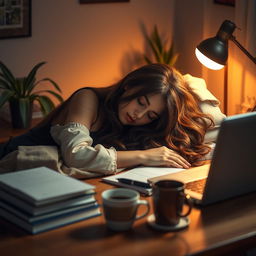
[48, 216]
[42, 186]
[51, 222]
[43, 209]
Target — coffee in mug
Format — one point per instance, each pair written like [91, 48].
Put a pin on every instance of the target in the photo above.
[168, 200]
[120, 208]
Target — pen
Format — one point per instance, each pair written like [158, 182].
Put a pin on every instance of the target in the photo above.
[134, 183]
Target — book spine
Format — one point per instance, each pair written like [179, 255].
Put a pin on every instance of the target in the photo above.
[42, 227]
[32, 210]
[55, 214]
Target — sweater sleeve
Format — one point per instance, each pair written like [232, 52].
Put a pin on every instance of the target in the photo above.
[77, 150]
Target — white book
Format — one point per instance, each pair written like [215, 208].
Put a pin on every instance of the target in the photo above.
[43, 209]
[52, 223]
[41, 186]
[139, 174]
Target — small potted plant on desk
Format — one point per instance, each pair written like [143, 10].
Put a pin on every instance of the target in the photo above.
[21, 95]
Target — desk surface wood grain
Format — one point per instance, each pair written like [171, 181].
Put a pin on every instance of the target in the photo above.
[226, 228]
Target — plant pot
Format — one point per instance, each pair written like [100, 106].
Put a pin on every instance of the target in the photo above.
[21, 112]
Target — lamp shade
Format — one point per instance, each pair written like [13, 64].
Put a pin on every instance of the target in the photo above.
[213, 52]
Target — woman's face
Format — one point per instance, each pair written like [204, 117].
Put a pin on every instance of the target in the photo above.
[141, 110]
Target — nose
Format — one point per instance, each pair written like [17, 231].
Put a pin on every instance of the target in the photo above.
[139, 114]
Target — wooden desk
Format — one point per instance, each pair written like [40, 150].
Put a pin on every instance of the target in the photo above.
[6, 130]
[226, 228]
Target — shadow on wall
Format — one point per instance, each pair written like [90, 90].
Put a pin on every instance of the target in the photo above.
[157, 48]
[131, 60]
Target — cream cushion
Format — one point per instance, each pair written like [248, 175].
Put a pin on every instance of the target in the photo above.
[209, 104]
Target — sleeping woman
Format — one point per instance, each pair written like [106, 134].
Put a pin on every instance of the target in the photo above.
[151, 117]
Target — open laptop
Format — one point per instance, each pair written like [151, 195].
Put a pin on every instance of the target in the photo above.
[232, 171]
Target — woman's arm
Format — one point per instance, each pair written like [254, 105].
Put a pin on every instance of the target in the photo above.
[82, 108]
[73, 137]
[71, 131]
[161, 156]
[77, 150]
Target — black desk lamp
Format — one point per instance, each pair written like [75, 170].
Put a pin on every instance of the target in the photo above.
[213, 52]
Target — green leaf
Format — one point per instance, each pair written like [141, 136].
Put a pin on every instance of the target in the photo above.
[147, 59]
[5, 96]
[157, 40]
[157, 53]
[46, 104]
[51, 81]
[174, 59]
[21, 84]
[56, 95]
[31, 78]
[29, 87]
[19, 87]
[165, 57]
[7, 74]
[170, 53]
[4, 84]
[161, 52]
[153, 48]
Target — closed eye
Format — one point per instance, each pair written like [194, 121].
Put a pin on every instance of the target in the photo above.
[152, 116]
[141, 101]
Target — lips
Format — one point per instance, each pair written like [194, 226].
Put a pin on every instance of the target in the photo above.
[129, 118]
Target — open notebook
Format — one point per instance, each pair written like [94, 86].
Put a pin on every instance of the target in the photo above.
[141, 175]
[232, 171]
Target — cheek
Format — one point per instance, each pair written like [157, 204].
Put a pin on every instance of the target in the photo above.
[122, 110]
[125, 107]
[143, 121]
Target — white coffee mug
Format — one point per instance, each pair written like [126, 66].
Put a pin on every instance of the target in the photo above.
[120, 208]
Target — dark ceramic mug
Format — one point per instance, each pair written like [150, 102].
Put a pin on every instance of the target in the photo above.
[168, 200]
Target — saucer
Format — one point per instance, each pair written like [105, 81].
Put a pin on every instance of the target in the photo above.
[184, 222]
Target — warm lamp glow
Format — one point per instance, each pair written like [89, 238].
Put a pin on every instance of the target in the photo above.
[216, 50]
[208, 62]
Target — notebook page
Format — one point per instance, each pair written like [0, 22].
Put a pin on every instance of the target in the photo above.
[140, 174]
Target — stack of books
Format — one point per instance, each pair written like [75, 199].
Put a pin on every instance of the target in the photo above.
[41, 199]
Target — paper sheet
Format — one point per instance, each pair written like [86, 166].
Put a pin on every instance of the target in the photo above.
[140, 174]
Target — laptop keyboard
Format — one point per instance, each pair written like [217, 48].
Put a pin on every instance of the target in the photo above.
[196, 186]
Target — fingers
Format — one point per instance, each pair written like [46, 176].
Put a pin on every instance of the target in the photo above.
[177, 164]
[164, 156]
[179, 160]
[172, 163]
[175, 160]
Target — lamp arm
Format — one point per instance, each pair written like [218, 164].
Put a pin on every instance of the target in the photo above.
[233, 39]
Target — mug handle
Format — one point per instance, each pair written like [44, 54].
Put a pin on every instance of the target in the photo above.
[188, 201]
[143, 202]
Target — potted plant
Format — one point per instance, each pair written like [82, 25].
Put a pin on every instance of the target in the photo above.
[21, 95]
[162, 53]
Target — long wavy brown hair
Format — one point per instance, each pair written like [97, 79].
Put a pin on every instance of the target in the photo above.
[181, 126]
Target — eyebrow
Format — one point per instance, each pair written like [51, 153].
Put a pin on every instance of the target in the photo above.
[149, 104]
[146, 97]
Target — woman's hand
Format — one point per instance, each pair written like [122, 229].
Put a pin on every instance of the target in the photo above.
[163, 156]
